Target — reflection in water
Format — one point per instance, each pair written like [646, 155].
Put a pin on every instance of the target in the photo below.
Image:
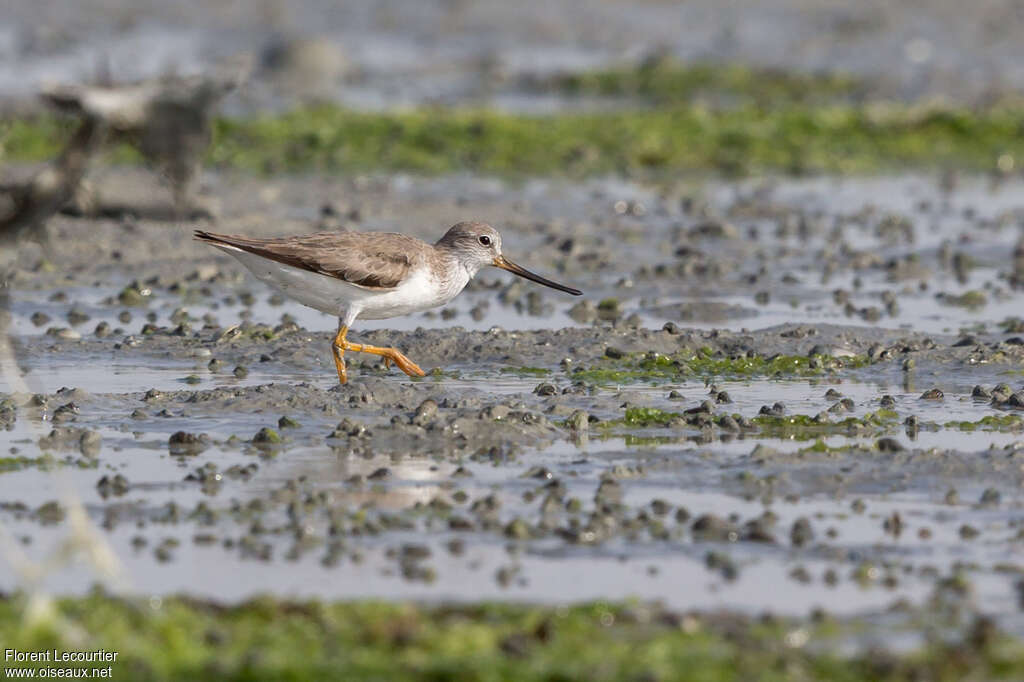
[385, 498]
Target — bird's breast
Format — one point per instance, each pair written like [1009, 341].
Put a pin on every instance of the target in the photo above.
[421, 290]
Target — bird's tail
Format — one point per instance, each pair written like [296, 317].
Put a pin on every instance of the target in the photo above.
[218, 239]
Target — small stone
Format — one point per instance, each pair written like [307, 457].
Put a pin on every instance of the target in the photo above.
[968, 532]
[660, 507]
[801, 533]
[286, 422]
[990, 497]
[182, 443]
[710, 527]
[348, 428]
[609, 492]
[888, 444]
[579, 421]
[89, 443]
[705, 407]
[545, 389]
[496, 412]
[756, 530]
[425, 412]
[776, 410]
[614, 353]
[981, 392]
[539, 472]
[1001, 393]
[517, 530]
[267, 435]
[76, 317]
[63, 333]
[728, 423]
[715, 229]
[50, 513]
[65, 413]
[131, 295]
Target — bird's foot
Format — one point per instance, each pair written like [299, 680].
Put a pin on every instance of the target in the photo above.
[403, 363]
[389, 355]
[339, 363]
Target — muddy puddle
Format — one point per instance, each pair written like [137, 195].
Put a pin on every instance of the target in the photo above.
[902, 252]
[766, 401]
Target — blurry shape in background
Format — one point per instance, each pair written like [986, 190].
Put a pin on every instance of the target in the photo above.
[168, 119]
[303, 66]
[25, 207]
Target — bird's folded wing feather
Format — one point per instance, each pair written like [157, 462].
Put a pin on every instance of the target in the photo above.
[373, 260]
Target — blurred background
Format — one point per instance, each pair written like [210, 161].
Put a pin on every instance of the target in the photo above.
[785, 416]
[375, 55]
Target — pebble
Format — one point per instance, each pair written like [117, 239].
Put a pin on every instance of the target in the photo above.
[710, 527]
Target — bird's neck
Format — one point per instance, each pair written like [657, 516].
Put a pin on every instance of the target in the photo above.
[453, 273]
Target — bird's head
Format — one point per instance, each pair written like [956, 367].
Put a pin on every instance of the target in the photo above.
[478, 244]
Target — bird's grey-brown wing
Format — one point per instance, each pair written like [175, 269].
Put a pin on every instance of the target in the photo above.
[374, 260]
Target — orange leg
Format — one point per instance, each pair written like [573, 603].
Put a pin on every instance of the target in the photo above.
[390, 355]
[338, 350]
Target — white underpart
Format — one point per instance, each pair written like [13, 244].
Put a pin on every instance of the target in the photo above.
[419, 291]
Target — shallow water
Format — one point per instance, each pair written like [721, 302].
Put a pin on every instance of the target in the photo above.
[682, 473]
[978, 224]
[403, 53]
[332, 524]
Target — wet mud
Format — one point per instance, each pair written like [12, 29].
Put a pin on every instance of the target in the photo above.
[812, 385]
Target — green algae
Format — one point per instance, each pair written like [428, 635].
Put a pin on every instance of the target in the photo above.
[648, 416]
[971, 300]
[822, 448]
[631, 440]
[643, 417]
[648, 144]
[17, 463]
[1007, 422]
[804, 427]
[1012, 325]
[267, 436]
[526, 371]
[796, 427]
[704, 363]
[667, 81]
[270, 639]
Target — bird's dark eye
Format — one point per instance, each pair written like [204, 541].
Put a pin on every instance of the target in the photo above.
[485, 240]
